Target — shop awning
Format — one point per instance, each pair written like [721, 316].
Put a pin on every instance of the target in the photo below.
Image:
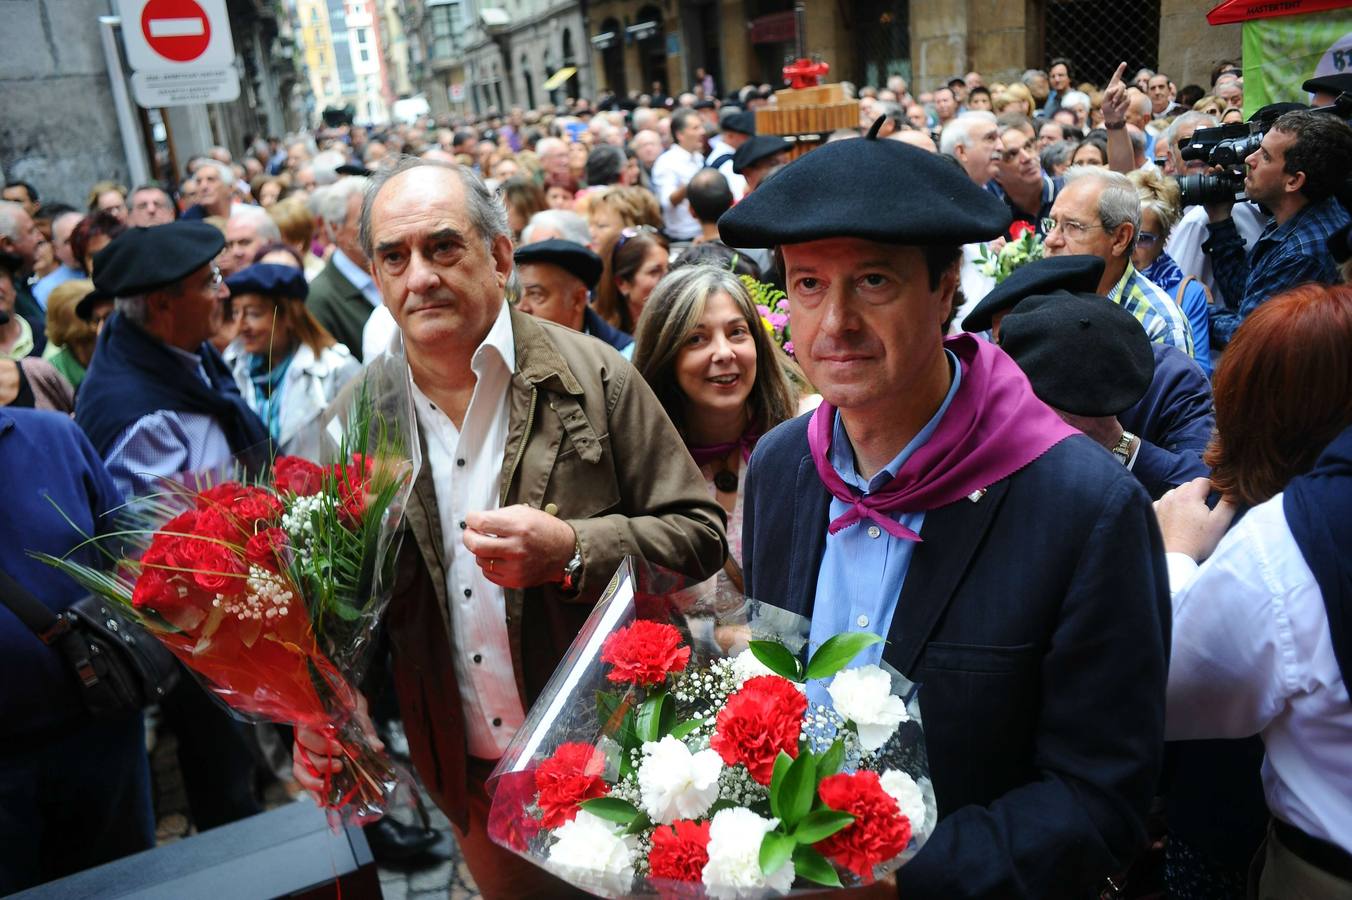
[603, 41]
[1232, 11]
[555, 81]
[642, 30]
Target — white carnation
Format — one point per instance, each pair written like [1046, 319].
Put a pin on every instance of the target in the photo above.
[592, 852]
[864, 696]
[675, 783]
[910, 799]
[733, 869]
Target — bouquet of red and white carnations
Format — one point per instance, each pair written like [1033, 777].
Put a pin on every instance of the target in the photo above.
[269, 590]
[689, 745]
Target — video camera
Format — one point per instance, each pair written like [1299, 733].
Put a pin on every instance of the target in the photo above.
[1229, 146]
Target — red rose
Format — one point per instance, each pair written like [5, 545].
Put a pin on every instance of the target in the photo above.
[762, 718]
[291, 474]
[644, 653]
[255, 505]
[222, 496]
[879, 831]
[681, 854]
[268, 549]
[216, 524]
[353, 482]
[154, 591]
[571, 775]
[219, 569]
[1020, 228]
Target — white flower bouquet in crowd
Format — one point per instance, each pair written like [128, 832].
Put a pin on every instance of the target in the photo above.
[690, 745]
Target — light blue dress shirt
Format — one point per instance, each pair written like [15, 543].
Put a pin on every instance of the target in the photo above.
[864, 566]
[359, 277]
[183, 446]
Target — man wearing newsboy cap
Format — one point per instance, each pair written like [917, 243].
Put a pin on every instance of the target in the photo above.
[1013, 567]
[158, 400]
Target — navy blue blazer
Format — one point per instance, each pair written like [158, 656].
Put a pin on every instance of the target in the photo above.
[1036, 620]
[1174, 421]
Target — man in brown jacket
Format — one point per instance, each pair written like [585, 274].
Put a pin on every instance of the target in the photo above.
[547, 460]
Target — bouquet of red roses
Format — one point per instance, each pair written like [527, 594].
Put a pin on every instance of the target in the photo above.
[269, 590]
[688, 746]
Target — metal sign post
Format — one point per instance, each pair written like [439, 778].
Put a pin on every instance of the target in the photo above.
[138, 169]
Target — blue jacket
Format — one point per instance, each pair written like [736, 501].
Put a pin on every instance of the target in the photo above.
[1037, 622]
[1174, 421]
[599, 328]
[62, 477]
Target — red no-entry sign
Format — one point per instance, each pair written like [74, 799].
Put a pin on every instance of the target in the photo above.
[178, 30]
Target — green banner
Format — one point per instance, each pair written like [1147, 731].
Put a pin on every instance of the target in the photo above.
[1281, 53]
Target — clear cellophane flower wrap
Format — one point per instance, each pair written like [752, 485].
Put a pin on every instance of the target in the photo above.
[269, 586]
[692, 744]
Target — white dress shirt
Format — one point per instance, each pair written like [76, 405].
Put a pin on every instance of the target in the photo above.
[672, 170]
[377, 333]
[1252, 654]
[466, 466]
[975, 283]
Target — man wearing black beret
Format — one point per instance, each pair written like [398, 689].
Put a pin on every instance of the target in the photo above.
[557, 278]
[1014, 569]
[736, 130]
[758, 156]
[158, 400]
[1161, 436]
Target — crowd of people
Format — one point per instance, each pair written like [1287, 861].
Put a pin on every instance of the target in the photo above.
[1117, 697]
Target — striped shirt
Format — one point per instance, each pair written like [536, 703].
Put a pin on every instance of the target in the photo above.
[1153, 308]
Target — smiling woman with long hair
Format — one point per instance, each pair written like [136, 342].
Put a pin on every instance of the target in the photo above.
[702, 348]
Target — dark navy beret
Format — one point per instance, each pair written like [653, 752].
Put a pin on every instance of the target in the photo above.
[878, 190]
[1079, 274]
[85, 308]
[1082, 353]
[140, 260]
[1337, 83]
[741, 123]
[570, 256]
[755, 149]
[270, 280]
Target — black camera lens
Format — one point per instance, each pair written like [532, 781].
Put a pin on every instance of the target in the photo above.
[1199, 189]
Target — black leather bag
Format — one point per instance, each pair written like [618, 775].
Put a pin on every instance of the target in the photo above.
[118, 667]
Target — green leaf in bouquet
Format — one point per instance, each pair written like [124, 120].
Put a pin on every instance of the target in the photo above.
[796, 790]
[682, 730]
[819, 825]
[810, 865]
[836, 652]
[607, 702]
[829, 763]
[775, 850]
[612, 809]
[782, 763]
[777, 658]
[640, 824]
[655, 718]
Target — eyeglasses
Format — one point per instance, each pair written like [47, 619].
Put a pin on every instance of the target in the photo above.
[1146, 239]
[627, 233]
[216, 280]
[1070, 227]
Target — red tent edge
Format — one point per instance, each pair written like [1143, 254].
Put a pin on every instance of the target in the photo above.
[1230, 12]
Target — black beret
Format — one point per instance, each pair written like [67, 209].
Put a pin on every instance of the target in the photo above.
[740, 123]
[11, 263]
[1082, 353]
[878, 190]
[353, 169]
[270, 280]
[1274, 111]
[759, 147]
[1079, 274]
[706, 103]
[142, 259]
[1339, 83]
[85, 308]
[570, 256]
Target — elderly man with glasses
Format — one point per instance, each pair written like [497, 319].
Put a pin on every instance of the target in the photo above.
[158, 400]
[1098, 213]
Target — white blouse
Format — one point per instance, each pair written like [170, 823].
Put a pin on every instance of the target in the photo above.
[1253, 654]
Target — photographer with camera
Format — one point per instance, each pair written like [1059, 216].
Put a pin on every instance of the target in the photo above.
[1294, 173]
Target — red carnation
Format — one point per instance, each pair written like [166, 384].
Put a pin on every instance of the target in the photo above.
[571, 775]
[762, 718]
[644, 653]
[1020, 228]
[291, 474]
[681, 854]
[267, 549]
[879, 831]
[353, 482]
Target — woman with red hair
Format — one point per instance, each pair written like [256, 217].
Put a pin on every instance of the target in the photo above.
[1262, 629]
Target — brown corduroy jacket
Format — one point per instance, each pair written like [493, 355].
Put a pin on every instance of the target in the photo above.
[589, 442]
